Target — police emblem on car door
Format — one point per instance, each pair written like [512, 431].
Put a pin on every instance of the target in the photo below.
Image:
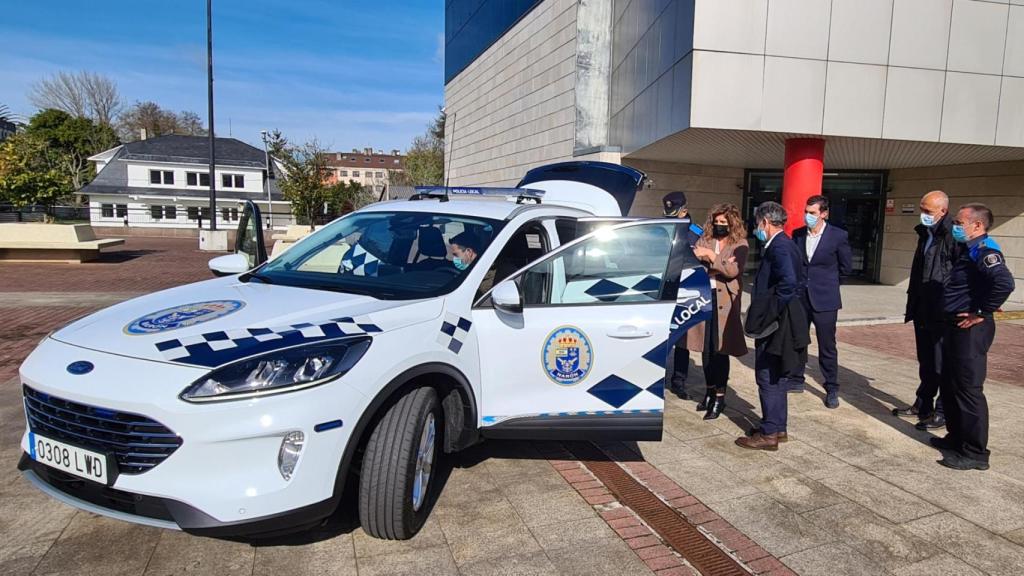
[574, 345]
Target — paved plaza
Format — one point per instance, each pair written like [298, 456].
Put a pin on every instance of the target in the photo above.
[854, 491]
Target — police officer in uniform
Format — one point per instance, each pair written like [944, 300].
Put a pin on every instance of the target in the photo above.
[674, 206]
[979, 283]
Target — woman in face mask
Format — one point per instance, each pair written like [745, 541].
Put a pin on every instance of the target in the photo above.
[723, 250]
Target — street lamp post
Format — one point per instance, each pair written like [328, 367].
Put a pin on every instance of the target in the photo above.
[209, 98]
[266, 160]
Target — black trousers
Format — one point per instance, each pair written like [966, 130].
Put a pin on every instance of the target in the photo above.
[965, 356]
[716, 366]
[680, 365]
[828, 353]
[929, 338]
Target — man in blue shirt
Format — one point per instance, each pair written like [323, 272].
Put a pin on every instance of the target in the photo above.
[979, 283]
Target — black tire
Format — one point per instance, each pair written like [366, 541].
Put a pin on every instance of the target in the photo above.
[389, 468]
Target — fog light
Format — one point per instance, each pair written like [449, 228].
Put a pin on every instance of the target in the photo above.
[288, 455]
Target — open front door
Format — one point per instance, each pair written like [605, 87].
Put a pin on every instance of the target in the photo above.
[574, 345]
[249, 240]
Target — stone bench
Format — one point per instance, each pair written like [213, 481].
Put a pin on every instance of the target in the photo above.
[31, 242]
[284, 241]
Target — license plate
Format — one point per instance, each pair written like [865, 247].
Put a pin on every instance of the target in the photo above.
[71, 459]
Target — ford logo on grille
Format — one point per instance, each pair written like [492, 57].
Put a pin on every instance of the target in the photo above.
[80, 367]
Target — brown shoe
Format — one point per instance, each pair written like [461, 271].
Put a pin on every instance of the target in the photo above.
[759, 441]
[782, 436]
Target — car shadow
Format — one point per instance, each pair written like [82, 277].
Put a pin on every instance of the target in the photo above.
[120, 256]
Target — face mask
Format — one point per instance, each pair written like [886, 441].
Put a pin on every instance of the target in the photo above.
[958, 234]
[761, 235]
[720, 230]
[459, 264]
[811, 220]
[927, 219]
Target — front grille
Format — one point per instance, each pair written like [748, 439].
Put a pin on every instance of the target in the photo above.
[139, 443]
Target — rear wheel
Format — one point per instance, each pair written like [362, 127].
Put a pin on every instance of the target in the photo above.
[398, 465]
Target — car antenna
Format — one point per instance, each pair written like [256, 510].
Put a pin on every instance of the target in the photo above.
[451, 150]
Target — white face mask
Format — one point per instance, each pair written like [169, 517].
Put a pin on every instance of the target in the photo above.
[927, 219]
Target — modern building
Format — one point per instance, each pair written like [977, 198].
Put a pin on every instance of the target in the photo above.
[372, 169]
[164, 182]
[7, 128]
[872, 102]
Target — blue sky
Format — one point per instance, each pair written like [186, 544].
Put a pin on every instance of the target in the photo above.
[350, 73]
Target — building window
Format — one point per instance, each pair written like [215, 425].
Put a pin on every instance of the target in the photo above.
[381, 160]
[122, 210]
[232, 180]
[204, 213]
[225, 214]
[367, 159]
[234, 214]
[156, 212]
[192, 212]
[170, 212]
[355, 173]
[197, 179]
[378, 174]
[343, 174]
[107, 210]
[161, 177]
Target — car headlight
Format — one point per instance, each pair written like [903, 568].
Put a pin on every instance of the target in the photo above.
[279, 371]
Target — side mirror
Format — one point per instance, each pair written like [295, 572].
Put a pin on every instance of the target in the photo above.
[229, 265]
[506, 297]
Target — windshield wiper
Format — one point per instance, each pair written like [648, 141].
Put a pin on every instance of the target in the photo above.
[261, 277]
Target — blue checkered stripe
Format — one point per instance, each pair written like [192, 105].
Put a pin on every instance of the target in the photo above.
[359, 262]
[640, 288]
[454, 331]
[218, 348]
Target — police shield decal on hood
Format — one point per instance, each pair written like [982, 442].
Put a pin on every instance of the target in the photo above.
[218, 321]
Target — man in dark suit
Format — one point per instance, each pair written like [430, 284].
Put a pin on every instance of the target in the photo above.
[826, 258]
[674, 206]
[777, 285]
[933, 259]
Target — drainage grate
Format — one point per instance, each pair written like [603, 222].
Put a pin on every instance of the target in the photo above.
[683, 537]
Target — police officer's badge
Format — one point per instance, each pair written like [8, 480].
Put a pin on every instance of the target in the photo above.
[993, 260]
[567, 356]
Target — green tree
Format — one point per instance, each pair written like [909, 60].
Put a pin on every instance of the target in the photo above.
[424, 161]
[347, 196]
[70, 141]
[305, 181]
[26, 174]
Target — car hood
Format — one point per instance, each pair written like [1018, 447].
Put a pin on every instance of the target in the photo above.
[218, 321]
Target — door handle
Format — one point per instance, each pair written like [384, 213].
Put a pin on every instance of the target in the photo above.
[630, 333]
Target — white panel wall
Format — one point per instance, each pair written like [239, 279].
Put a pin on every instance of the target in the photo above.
[929, 70]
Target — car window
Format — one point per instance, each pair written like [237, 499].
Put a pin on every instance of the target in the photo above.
[624, 264]
[394, 255]
[529, 243]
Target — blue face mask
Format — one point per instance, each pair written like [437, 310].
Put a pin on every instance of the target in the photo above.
[811, 220]
[761, 235]
[459, 264]
[958, 234]
[927, 219]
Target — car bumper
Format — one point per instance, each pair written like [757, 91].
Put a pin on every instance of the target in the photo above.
[224, 477]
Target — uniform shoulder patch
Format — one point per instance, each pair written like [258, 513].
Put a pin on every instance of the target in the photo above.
[993, 259]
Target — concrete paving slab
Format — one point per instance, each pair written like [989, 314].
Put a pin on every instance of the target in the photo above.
[1016, 536]
[514, 565]
[814, 463]
[879, 496]
[606, 559]
[792, 489]
[30, 523]
[179, 553]
[430, 536]
[540, 508]
[333, 556]
[889, 545]
[972, 544]
[486, 529]
[831, 560]
[100, 545]
[707, 480]
[940, 564]
[776, 528]
[588, 532]
[435, 561]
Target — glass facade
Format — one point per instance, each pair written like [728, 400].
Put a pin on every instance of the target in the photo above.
[471, 26]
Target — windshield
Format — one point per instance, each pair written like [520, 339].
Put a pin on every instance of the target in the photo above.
[387, 255]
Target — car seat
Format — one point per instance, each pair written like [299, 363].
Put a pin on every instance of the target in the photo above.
[432, 247]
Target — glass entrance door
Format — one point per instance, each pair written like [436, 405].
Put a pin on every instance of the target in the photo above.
[855, 199]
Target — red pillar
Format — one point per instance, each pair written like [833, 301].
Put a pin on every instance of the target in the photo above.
[805, 165]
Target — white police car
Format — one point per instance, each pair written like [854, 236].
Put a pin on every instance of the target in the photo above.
[241, 405]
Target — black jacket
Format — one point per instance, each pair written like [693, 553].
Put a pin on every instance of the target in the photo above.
[776, 316]
[930, 272]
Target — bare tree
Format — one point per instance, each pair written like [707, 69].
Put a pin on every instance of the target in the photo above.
[158, 122]
[81, 94]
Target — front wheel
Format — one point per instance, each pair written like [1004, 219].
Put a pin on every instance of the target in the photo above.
[398, 465]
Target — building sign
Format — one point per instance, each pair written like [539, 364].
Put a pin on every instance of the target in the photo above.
[890, 206]
[907, 209]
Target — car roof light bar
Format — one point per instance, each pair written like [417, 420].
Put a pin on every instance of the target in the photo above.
[443, 193]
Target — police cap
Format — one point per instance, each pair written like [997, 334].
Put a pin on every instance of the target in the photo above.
[673, 202]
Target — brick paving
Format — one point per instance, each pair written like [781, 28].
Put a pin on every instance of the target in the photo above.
[1006, 357]
[23, 328]
[139, 265]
